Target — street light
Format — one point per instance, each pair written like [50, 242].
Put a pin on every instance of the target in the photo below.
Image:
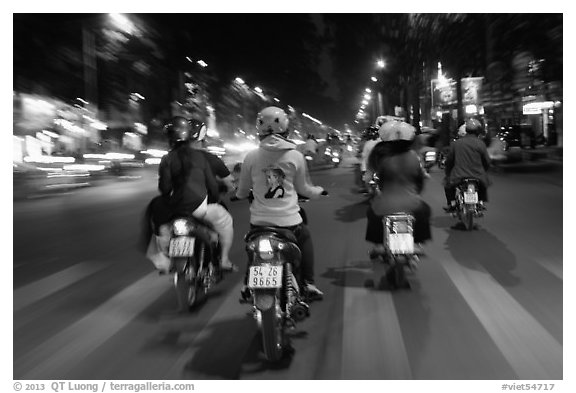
[381, 63]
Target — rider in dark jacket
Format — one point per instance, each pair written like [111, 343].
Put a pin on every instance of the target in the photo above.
[400, 181]
[186, 180]
[467, 158]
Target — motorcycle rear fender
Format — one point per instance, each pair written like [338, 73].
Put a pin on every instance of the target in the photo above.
[265, 299]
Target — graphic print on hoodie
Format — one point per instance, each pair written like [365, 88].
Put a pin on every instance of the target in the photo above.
[275, 173]
[275, 180]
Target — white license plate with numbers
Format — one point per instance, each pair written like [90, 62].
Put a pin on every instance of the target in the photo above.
[265, 277]
[470, 197]
[181, 247]
[401, 243]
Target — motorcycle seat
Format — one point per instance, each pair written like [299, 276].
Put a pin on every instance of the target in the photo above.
[283, 233]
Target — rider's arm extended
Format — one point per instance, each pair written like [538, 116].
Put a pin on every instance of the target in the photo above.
[245, 182]
[302, 182]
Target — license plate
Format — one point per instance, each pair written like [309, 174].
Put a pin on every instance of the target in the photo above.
[265, 277]
[401, 243]
[470, 197]
[181, 247]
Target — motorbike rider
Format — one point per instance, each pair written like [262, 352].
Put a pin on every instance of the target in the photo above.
[467, 158]
[373, 140]
[185, 181]
[311, 145]
[400, 178]
[276, 173]
[224, 178]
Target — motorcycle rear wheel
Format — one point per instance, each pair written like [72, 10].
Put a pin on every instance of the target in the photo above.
[272, 335]
[186, 286]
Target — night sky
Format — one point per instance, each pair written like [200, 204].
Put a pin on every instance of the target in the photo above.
[287, 53]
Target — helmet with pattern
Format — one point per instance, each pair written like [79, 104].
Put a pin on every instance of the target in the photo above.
[272, 120]
[396, 130]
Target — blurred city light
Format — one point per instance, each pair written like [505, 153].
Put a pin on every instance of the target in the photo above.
[123, 22]
[239, 80]
[367, 96]
[240, 147]
[374, 79]
[202, 63]
[155, 152]
[42, 159]
[311, 118]
[213, 133]
[368, 90]
[381, 64]
[258, 90]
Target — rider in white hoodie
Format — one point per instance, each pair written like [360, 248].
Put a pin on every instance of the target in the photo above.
[276, 173]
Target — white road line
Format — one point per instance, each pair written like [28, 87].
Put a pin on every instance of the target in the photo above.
[528, 347]
[31, 293]
[57, 356]
[371, 326]
[230, 309]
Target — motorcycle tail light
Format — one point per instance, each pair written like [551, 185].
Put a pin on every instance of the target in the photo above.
[265, 249]
[181, 227]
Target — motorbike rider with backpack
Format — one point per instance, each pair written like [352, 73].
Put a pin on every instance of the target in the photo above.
[185, 181]
[276, 173]
[400, 179]
[467, 158]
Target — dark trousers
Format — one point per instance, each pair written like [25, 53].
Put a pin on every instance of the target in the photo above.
[305, 271]
[375, 225]
[450, 192]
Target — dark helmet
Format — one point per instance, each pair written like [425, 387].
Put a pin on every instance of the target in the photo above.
[178, 129]
[474, 127]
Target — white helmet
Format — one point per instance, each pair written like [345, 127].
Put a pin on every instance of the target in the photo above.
[396, 130]
[271, 120]
[462, 130]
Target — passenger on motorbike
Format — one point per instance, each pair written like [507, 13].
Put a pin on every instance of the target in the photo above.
[373, 140]
[185, 181]
[311, 145]
[467, 158]
[276, 173]
[224, 178]
[400, 178]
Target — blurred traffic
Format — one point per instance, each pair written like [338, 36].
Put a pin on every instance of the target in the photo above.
[173, 179]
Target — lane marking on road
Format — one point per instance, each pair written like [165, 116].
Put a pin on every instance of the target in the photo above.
[371, 326]
[57, 356]
[528, 347]
[33, 292]
[230, 309]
